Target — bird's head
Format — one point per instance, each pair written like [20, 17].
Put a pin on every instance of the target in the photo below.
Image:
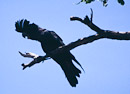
[28, 30]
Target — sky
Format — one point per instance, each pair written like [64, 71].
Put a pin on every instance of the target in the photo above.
[106, 62]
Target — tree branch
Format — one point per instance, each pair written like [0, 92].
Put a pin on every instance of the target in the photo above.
[70, 46]
[104, 33]
[100, 34]
[36, 59]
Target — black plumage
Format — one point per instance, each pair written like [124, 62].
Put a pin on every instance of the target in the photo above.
[50, 41]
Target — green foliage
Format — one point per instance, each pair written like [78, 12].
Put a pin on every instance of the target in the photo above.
[103, 1]
[87, 1]
[121, 2]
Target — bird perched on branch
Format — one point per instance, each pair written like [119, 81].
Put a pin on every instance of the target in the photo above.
[50, 41]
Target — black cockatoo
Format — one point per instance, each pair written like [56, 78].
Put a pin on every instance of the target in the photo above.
[50, 41]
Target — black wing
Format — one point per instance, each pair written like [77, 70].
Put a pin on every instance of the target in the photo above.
[50, 42]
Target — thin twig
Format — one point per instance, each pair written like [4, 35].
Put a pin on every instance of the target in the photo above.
[91, 15]
[36, 59]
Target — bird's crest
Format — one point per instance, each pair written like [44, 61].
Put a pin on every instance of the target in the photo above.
[21, 25]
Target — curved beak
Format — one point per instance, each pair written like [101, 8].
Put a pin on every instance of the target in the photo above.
[25, 35]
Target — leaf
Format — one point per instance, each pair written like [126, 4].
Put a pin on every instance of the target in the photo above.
[105, 2]
[121, 2]
[87, 1]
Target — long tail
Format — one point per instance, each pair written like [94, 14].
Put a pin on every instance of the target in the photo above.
[71, 72]
[77, 62]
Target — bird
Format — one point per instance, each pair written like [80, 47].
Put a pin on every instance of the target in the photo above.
[50, 41]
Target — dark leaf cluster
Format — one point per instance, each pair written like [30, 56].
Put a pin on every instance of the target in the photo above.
[103, 1]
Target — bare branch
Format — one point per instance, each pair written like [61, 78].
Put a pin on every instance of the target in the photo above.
[72, 45]
[100, 34]
[87, 22]
[37, 59]
[91, 15]
[82, 41]
[104, 33]
[29, 55]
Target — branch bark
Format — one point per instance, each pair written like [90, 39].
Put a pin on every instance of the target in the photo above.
[36, 59]
[104, 33]
[100, 33]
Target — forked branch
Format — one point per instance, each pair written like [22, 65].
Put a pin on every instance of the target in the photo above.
[100, 33]
[36, 59]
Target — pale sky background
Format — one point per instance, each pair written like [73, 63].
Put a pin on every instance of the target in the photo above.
[106, 62]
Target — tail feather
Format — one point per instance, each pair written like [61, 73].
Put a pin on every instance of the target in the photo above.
[77, 62]
[71, 72]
